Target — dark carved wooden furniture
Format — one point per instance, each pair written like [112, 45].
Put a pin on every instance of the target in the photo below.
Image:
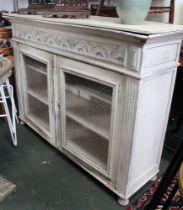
[69, 9]
[37, 6]
[101, 10]
[58, 8]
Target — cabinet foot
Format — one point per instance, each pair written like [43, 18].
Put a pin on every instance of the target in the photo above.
[154, 178]
[123, 202]
[22, 123]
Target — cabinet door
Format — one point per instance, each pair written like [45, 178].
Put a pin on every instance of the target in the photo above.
[37, 90]
[88, 101]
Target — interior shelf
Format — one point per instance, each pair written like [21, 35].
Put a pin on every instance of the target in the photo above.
[84, 90]
[94, 115]
[39, 93]
[37, 85]
[38, 112]
[87, 144]
[36, 69]
[81, 86]
[35, 65]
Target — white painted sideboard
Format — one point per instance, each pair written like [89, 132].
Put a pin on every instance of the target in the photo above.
[99, 91]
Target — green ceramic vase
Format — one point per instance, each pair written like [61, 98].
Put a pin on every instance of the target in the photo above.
[132, 12]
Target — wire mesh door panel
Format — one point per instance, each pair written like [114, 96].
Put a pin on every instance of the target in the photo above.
[37, 91]
[88, 120]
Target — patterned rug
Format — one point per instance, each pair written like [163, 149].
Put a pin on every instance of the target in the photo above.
[139, 204]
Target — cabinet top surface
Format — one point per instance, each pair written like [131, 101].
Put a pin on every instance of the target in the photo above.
[105, 23]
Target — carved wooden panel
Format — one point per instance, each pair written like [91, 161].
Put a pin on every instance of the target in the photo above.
[113, 53]
[83, 4]
[69, 9]
[96, 49]
[41, 2]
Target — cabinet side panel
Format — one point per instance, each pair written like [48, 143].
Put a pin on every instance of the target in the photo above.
[152, 115]
[161, 55]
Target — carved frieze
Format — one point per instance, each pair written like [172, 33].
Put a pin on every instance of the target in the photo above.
[100, 50]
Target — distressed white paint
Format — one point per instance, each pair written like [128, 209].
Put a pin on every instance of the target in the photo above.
[134, 64]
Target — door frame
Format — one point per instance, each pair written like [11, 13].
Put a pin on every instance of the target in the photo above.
[110, 79]
[46, 58]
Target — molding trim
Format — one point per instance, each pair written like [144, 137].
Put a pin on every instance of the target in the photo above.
[127, 132]
[142, 180]
[101, 50]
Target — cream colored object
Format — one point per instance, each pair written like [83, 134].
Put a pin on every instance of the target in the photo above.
[6, 188]
[5, 69]
[99, 91]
